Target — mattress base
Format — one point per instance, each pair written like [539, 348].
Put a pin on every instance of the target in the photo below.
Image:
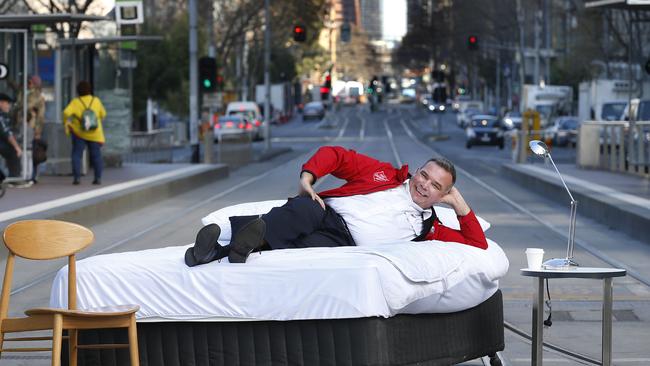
[423, 339]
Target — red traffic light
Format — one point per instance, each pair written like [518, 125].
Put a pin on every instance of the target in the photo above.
[472, 42]
[299, 33]
[472, 39]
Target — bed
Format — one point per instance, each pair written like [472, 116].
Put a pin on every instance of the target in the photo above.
[428, 303]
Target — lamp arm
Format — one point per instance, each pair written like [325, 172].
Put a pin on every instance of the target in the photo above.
[572, 219]
[562, 179]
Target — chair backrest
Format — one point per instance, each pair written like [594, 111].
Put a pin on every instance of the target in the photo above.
[42, 240]
[46, 239]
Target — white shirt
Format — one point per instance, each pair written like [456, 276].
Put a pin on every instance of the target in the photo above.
[384, 217]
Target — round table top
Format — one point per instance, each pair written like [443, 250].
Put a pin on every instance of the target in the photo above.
[574, 272]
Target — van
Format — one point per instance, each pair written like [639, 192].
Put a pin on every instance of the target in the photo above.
[252, 112]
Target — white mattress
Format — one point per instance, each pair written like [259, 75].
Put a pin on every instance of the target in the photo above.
[312, 283]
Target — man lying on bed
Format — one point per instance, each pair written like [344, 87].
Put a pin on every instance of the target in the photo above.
[378, 204]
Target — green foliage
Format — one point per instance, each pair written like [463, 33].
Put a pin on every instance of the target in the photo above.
[163, 67]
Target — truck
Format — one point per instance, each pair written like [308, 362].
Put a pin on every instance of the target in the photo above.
[282, 101]
[606, 99]
[549, 100]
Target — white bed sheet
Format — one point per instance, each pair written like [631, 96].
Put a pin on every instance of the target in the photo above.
[312, 283]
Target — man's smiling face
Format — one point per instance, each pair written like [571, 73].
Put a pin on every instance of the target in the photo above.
[429, 184]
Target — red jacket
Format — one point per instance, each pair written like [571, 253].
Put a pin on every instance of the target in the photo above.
[364, 175]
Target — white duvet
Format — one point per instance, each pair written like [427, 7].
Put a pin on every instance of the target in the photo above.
[312, 283]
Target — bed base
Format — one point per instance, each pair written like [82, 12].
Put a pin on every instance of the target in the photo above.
[422, 339]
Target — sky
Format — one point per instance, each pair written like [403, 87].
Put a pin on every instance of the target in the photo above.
[394, 20]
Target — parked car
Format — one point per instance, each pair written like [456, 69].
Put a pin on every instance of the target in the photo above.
[313, 110]
[252, 112]
[437, 107]
[564, 131]
[484, 130]
[465, 116]
[233, 125]
[512, 120]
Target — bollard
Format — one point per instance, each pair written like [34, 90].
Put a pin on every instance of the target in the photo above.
[208, 147]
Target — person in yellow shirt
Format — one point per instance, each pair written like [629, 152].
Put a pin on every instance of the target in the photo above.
[83, 122]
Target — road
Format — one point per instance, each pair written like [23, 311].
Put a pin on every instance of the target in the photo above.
[404, 134]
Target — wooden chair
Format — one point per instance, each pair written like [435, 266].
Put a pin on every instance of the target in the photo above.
[50, 239]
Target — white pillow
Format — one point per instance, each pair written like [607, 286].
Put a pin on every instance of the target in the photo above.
[447, 216]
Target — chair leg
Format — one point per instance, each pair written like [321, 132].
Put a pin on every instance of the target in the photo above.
[72, 345]
[2, 341]
[133, 342]
[57, 334]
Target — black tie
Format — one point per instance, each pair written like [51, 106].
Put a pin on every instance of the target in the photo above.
[426, 225]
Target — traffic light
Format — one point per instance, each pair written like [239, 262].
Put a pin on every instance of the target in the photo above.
[299, 33]
[472, 42]
[647, 66]
[326, 88]
[208, 74]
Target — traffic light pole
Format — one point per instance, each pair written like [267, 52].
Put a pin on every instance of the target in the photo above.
[194, 84]
[267, 77]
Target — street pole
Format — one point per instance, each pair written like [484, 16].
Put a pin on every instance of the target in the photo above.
[194, 84]
[267, 77]
[547, 43]
[537, 40]
[498, 91]
[522, 58]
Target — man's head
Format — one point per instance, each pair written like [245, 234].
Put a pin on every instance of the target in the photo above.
[5, 102]
[432, 181]
[84, 88]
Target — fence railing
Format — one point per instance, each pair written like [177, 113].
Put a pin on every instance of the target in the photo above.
[614, 146]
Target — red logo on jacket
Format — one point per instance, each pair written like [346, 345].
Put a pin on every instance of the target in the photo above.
[380, 176]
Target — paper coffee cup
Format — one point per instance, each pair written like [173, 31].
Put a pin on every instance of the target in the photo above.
[534, 256]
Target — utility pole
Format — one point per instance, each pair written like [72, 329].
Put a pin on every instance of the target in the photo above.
[522, 58]
[537, 27]
[498, 91]
[547, 42]
[194, 84]
[267, 76]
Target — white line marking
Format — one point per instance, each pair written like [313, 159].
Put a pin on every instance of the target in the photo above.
[345, 125]
[59, 202]
[392, 144]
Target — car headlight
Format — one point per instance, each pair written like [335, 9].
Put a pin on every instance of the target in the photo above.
[442, 107]
[431, 107]
[508, 122]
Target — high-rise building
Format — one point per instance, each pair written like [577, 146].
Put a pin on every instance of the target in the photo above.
[371, 18]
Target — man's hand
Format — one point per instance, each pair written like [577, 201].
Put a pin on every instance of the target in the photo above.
[456, 201]
[306, 180]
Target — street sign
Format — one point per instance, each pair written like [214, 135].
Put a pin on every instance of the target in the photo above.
[4, 71]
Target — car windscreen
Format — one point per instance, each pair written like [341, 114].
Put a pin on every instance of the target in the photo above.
[569, 124]
[612, 111]
[485, 122]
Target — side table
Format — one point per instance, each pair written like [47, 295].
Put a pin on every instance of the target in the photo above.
[605, 274]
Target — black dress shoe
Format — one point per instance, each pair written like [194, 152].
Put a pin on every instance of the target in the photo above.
[76, 182]
[206, 240]
[249, 238]
[97, 182]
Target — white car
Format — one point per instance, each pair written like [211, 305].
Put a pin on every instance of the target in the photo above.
[251, 111]
[235, 125]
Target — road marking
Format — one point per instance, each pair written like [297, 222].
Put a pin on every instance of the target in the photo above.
[563, 233]
[60, 202]
[345, 125]
[362, 132]
[392, 144]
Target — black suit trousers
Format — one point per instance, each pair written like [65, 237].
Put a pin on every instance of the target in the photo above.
[300, 223]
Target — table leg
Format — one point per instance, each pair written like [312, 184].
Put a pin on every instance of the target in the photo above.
[607, 322]
[538, 318]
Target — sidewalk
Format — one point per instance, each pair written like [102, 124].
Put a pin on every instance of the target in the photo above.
[132, 185]
[614, 199]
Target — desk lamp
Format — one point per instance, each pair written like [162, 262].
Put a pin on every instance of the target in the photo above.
[540, 149]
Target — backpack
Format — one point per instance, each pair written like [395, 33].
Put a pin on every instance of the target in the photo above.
[89, 120]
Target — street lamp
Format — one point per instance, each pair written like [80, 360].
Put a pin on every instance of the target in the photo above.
[540, 149]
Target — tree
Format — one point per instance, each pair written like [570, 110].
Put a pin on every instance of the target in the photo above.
[65, 6]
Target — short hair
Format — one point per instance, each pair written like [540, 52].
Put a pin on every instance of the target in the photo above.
[84, 88]
[445, 164]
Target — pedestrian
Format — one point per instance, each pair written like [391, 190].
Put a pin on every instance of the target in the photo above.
[83, 123]
[9, 147]
[35, 120]
[378, 204]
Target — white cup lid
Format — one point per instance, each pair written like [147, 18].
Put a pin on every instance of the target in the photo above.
[534, 250]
